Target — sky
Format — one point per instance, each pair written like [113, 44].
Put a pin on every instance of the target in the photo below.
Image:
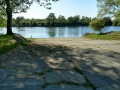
[66, 8]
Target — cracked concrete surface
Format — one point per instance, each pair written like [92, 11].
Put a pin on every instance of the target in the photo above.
[47, 62]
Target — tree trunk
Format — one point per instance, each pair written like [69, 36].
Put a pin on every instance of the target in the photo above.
[9, 22]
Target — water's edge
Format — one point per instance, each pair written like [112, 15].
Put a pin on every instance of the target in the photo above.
[55, 32]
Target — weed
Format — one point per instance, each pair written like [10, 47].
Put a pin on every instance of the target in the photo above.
[77, 69]
[45, 85]
[62, 52]
[62, 47]
[30, 39]
[88, 84]
[105, 36]
[3, 67]
[39, 73]
[70, 60]
[50, 51]
[66, 82]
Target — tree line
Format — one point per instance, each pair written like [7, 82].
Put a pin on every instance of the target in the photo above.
[52, 21]
[109, 8]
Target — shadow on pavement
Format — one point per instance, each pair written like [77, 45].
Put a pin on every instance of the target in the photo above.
[32, 66]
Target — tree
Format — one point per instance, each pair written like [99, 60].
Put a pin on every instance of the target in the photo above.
[50, 19]
[85, 21]
[61, 20]
[108, 7]
[2, 22]
[116, 22]
[2, 17]
[117, 18]
[71, 20]
[107, 21]
[61, 17]
[18, 6]
[97, 24]
[18, 20]
[76, 19]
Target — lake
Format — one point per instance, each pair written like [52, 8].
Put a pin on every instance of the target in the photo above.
[55, 32]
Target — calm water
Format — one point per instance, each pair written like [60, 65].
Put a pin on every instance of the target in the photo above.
[55, 32]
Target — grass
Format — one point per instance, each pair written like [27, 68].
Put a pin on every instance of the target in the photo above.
[61, 48]
[86, 85]
[39, 73]
[3, 67]
[59, 83]
[77, 69]
[6, 44]
[67, 82]
[30, 39]
[87, 82]
[45, 85]
[50, 50]
[70, 60]
[104, 36]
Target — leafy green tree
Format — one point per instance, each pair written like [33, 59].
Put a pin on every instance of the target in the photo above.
[51, 16]
[71, 20]
[97, 24]
[61, 17]
[107, 21]
[13, 22]
[108, 7]
[2, 17]
[85, 21]
[50, 19]
[18, 6]
[32, 21]
[61, 20]
[2, 22]
[116, 22]
[76, 19]
[27, 22]
[18, 20]
[117, 15]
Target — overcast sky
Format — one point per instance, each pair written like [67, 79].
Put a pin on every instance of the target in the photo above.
[63, 7]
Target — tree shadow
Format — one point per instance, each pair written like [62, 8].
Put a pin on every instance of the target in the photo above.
[41, 63]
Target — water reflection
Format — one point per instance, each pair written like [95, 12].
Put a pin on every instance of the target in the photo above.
[21, 31]
[61, 31]
[51, 31]
[73, 31]
[21, 28]
[55, 32]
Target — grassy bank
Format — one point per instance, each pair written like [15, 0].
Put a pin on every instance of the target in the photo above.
[104, 36]
[9, 42]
